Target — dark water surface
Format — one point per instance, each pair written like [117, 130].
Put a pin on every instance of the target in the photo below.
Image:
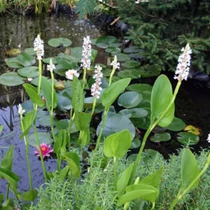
[20, 32]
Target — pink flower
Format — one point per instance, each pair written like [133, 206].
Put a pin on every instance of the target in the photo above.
[45, 149]
[71, 73]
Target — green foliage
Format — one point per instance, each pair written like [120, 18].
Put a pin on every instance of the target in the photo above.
[160, 27]
[85, 7]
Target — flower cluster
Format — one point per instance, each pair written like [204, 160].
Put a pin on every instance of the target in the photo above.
[39, 47]
[45, 150]
[208, 139]
[96, 88]
[115, 64]
[86, 53]
[51, 66]
[183, 67]
[21, 111]
[71, 73]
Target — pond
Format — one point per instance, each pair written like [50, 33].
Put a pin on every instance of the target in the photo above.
[192, 104]
[20, 32]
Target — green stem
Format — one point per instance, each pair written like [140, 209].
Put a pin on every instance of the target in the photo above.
[7, 191]
[180, 195]
[69, 128]
[151, 127]
[27, 154]
[52, 106]
[84, 79]
[94, 106]
[40, 76]
[102, 127]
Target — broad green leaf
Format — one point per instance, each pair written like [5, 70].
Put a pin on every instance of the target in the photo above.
[131, 64]
[113, 91]
[160, 98]
[43, 138]
[189, 169]
[28, 121]
[30, 195]
[129, 99]
[123, 179]
[13, 63]
[32, 92]
[56, 42]
[131, 73]
[82, 120]
[73, 163]
[77, 95]
[11, 79]
[106, 41]
[46, 87]
[153, 178]
[60, 141]
[176, 125]
[139, 191]
[161, 137]
[30, 71]
[6, 161]
[117, 144]
[11, 177]
[187, 138]
[25, 59]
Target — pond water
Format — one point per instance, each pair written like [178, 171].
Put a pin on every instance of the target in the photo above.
[20, 32]
[192, 104]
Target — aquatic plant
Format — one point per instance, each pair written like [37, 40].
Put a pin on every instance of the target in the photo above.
[45, 150]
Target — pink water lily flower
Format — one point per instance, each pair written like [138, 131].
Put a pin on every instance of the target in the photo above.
[45, 149]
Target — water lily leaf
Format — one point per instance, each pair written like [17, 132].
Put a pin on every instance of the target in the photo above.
[43, 138]
[144, 89]
[187, 138]
[131, 64]
[13, 63]
[176, 125]
[11, 79]
[134, 112]
[161, 137]
[150, 70]
[30, 51]
[30, 71]
[25, 59]
[113, 50]
[64, 102]
[57, 42]
[122, 57]
[13, 51]
[132, 49]
[115, 123]
[106, 41]
[132, 73]
[129, 99]
[135, 143]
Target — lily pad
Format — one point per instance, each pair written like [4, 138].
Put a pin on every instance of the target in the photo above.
[30, 71]
[161, 137]
[176, 125]
[132, 73]
[187, 138]
[30, 51]
[134, 112]
[129, 99]
[57, 42]
[11, 79]
[106, 41]
[43, 138]
[131, 64]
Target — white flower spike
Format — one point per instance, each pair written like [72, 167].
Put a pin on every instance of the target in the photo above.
[39, 47]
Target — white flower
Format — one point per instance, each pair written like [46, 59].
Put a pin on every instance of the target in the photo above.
[115, 64]
[39, 47]
[183, 67]
[208, 139]
[21, 111]
[71, 73]
[51, 66]
[86, 53]
[96, 88]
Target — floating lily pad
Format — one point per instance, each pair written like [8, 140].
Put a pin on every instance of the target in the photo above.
[131, 64]
[176, 125]
[11, 79]
[30, 51]
[115, 123]
[161, 137]
[30, 71]
[106, 41]
[134, 112]
[57, 42]
[13, 52]
[43, 138]
[132, 73]
[187, 138]
[129, 99]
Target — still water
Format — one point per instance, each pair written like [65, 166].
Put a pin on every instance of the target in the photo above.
[20, 32]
